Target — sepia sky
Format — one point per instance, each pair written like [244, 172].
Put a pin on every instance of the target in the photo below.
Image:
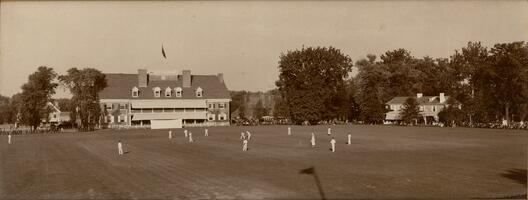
[241, 39]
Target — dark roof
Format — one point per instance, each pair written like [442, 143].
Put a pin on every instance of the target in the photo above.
[422, 100]
[120, 87]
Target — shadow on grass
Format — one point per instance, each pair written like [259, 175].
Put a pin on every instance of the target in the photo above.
[517, 175]
[311, 171]
[127, 152]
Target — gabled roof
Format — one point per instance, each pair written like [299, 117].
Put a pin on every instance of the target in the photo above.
[120, 87]
[425, 100]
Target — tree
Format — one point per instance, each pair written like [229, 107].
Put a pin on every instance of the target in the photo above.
[372, 95]
[452, 114]
[509, 75]
[259, 110]
[36, 93]
[310, 82]
[411, 111]
[85, 86]
[4, 109]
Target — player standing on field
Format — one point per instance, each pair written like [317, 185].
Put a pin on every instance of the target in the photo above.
[245, 145]
[329, 131]
[332, 142]
[242, 136]
[186, 133]
[170, 134]
[289, 130]
[248, 135]
[190, 137]
[313, 140]
[206, 132]
[120, 147]
[349, 138]
[9, 138]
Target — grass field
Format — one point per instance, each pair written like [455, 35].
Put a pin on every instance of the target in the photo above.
[383, 162]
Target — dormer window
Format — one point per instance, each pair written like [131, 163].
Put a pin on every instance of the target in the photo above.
[157, 92]
[168, 92]
[199, 92]
[135, 92]
[178, 91]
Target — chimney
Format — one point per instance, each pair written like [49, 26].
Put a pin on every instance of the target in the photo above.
[221, 77]
[442, 98]
[419, 95]
[142, 78]
[186, 78]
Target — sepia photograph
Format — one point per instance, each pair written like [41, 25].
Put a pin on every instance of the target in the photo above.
[300, 100]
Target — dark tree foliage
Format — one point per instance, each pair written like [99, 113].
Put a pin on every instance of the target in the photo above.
[311, 81]
[259, 110]
[372, 90]
[238, 102]
[509, 75]
[452, 115]
[85, 85]
[411, 111]
[4, 109]
[36, 93]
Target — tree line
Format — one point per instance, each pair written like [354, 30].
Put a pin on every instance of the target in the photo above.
[488, 83]
[29, 106]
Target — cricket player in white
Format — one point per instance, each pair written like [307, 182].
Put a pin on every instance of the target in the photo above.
[190, 137]
[9, 138]
[242, 136]
[245, 147]
[349, 138]
[289, 130]
[186, 133]
[332, 142]
[248, 135]
[313, 140]
[329, 131]
[206, 132]
[170, 134]
[120, 147]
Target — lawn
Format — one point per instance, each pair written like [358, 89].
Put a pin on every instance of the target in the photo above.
[383, 162]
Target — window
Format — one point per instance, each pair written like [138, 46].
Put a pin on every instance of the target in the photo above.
[54, 116]
[122, 106]
[108, 106]
[211, 105]
[121, 118]
[199, 92]
[178, 91]
[135, 92]
[109, 119]
[168, 92]
[211, 117]
[222, 116]
[221, 105]
[157, 92]
[434, 108]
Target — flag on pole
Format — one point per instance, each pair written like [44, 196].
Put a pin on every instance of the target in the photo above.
[163, 52]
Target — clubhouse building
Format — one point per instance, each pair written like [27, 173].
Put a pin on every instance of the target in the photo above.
[430, 106]
[165, 100]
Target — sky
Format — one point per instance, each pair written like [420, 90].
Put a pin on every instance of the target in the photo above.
[243, 40]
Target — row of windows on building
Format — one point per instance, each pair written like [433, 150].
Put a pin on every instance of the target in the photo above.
[422, 108]
[178, 92]
[122, 106]
[123, 118]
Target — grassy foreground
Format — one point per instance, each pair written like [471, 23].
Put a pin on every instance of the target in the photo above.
[383, 162]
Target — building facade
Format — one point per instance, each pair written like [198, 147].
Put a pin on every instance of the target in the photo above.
[165, 100]
[430, 106]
